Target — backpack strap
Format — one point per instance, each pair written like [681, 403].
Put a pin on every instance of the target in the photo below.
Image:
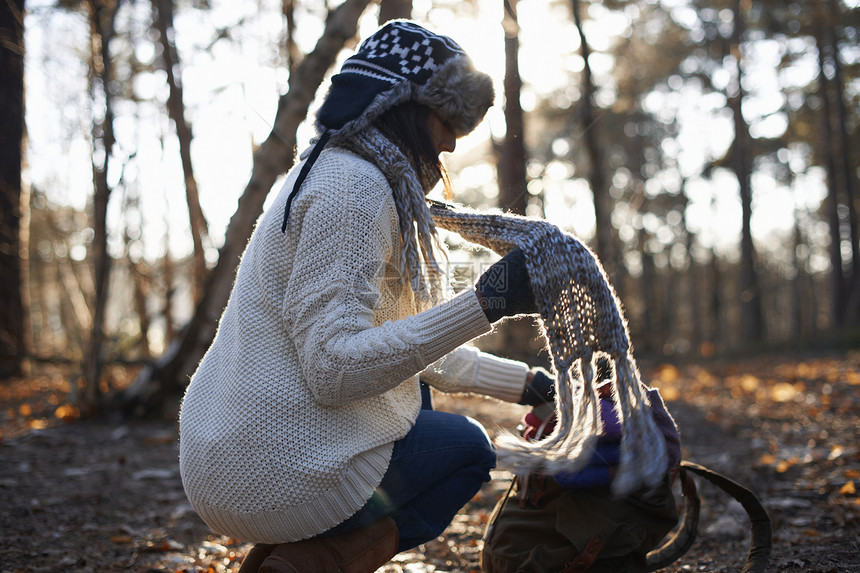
[684, 537]
[499, 508]
[586, 557]
[761, 533]
[761, 530]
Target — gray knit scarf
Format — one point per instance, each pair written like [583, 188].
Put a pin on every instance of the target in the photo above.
[421, 244]
[580, 314]
[581, 320]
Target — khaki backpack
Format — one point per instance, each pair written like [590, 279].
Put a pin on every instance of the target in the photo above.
[540, 527]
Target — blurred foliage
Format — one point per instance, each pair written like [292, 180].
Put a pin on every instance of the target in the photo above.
[660, 67]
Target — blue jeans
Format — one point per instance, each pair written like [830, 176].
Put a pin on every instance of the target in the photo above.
[434, 471]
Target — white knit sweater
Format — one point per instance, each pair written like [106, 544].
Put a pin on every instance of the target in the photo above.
[288, 424]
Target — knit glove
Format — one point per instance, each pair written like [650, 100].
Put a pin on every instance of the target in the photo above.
[505, 288]
[541, 389]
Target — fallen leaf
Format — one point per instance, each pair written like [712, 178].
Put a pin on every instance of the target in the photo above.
[835, 452]
[163, 438]
[749, 383]
[67, 412]
[163, 546]
[668, 373]
[783, 392]
[152, 473]
[848, 488]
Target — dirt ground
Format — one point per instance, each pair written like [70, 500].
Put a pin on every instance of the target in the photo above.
[89, 496]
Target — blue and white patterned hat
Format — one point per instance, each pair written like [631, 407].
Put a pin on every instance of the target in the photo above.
[403, 61]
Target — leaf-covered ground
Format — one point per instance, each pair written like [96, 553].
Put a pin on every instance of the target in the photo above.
[103, 497]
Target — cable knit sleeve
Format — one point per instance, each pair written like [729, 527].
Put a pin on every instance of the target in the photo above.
[467, 369]
[336, 287]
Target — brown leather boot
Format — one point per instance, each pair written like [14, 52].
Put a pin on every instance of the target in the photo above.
[363, 550]
[255, 558]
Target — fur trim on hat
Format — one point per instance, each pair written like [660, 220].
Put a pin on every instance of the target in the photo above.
[460, 95]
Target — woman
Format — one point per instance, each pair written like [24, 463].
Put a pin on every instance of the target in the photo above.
[302, 429]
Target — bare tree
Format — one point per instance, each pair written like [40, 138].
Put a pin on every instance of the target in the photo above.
[137, 268]
[511, 168]
[291, 49]
[843, 143]
[163, 16]
[750, 294]
[391, 9]
[168, 377]
[838, 280]
[512, 152]
[11, 138]
[102, 15]
[802, 294]
[695, 332]
[596, 173]
[168, 279]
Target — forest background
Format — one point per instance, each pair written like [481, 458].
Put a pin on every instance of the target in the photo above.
[707, 151]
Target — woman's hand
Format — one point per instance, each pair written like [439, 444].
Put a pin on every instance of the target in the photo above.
[505, 288]
[539, 389]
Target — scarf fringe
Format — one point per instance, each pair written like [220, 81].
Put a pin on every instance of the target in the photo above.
[581, 319]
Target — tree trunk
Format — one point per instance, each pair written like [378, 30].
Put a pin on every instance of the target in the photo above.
[512, 156]
[11, 139]
[750, 294]
[102, 14]
[140, 279]
[75, 298]
[169, 375]
[290, 49]
[511, 168]
[168, 279]
[392, 9]
[843, 141]
[696, 331]
[716, 308]
[596, 175]
[838, 292]
[44, 336]
[163, 16]
[648, 293]
[798, 328]
[70, 343]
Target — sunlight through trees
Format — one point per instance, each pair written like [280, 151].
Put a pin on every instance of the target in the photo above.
[705, 148]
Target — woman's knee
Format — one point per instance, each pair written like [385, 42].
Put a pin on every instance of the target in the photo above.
[486, 452]
[460, 440]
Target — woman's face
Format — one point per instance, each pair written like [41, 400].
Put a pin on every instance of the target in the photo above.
[444, 138]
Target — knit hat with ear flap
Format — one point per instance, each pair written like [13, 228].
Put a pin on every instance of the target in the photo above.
[400, 62]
